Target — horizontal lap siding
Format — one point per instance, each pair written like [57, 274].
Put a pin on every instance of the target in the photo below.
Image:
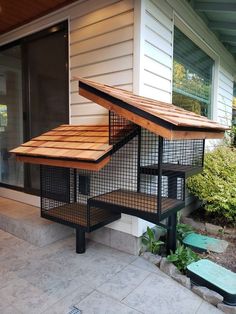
[157, 51]
[101, 49]
[225, 98]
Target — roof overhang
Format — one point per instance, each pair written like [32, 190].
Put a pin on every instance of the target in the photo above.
[164, 119]
[81, 147]
[14, 13]
[220, 17]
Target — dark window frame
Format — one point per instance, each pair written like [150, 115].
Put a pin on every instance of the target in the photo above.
[48, 31]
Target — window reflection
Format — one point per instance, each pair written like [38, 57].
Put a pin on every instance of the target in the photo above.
[11, 122]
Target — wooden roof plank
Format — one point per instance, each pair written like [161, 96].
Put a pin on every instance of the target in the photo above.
[167, 117]
[64, 162]
[68, 145]
[76, 139]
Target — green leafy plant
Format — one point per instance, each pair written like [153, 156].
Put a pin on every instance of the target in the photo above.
[232, 134]
[182, 257]
[216, 185]
[149, 240]
[183, 230]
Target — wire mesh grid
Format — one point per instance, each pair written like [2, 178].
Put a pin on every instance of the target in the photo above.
[119, 127]
[146, 178]
[60, 202]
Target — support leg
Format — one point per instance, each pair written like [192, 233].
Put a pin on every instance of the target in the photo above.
[80, 241]
[171, 233]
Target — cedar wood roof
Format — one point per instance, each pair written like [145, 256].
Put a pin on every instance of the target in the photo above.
[74, 146]
[87, 147]
[162, 118]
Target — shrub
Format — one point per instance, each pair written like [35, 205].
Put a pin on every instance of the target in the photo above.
[216, 185]
[182, 257]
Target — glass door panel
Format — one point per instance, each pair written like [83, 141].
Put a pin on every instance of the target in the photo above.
[11, 115]
[47, 80]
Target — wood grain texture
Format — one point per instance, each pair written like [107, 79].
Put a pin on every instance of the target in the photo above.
[64, 163]
[140, 201]
[67, 144]
[201, 127]
[16, 13]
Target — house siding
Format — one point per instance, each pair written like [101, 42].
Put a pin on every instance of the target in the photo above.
[157, 57]
[101, 49]
[101, 35]
[225, 97]
[159, 19]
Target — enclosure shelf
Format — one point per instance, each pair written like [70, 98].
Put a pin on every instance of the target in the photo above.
[136, 203]
[78, 215]
[181, 171]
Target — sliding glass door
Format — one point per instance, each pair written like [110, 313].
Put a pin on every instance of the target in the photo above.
[11, 115]
[47, 86]
[33, 98]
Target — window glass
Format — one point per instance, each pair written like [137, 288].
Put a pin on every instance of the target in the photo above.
[11, 121]
[192, 76]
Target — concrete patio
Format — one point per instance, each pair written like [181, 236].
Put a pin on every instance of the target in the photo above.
[53, 278]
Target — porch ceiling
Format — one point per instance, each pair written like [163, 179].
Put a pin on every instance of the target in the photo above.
[220, 17]
[15, 13]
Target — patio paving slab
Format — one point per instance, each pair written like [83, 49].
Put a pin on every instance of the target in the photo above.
[99, 303]
[120, 285]
[53, 278]
[160, 294]
[206, 308]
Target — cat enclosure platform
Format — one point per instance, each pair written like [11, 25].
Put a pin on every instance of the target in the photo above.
[137, 164]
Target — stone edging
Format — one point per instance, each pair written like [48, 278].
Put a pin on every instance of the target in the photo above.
[210, 228]
[206, 294]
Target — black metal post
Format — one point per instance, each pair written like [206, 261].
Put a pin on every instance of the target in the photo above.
[171, 233]
[110, 141]
[80, 241]
[139, 159]
[160, 160]
[203, 152]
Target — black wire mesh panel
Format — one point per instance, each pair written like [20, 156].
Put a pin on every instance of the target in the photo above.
[59, 201]
[145, 178]
[119, 128]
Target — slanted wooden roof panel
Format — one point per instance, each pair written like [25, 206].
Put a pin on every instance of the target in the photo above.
[68, 143]
[164, 119]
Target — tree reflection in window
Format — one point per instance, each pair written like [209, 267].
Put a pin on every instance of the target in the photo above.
[3, 117]
[192, 76]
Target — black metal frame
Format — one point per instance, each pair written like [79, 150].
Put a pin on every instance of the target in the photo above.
[145, 178]
[22, 42]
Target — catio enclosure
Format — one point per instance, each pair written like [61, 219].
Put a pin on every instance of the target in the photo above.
[137, 164]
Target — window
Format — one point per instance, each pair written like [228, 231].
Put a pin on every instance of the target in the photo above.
[234, 105]
[192, 76]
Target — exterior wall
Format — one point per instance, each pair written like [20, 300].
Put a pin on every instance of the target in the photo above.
[101, 40]
[225, 97]
[129, 44]
[158, 19]
[157, 52]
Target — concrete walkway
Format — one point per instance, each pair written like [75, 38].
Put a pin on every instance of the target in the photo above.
[103, 280]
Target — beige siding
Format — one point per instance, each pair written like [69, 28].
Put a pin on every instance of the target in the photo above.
[101, 49]
[225, 97]
[157, 62]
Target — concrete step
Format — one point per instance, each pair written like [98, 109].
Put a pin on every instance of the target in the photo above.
[24, 222]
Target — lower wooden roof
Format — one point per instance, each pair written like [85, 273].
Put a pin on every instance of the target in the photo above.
[84, 147]
[164, 119]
